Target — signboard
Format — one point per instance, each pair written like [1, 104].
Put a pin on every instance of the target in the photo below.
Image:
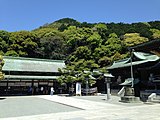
[90, 90]
[43, 83]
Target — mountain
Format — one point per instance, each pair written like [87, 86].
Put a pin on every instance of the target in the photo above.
[62, 24]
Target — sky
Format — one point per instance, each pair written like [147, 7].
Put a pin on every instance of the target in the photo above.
[16, 15]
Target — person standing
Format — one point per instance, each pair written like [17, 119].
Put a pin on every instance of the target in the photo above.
[52, 91]
[42, 90]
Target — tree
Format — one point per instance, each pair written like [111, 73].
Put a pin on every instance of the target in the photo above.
[82, 52]
[131, 39]
[104, 61]
[119, 28]
[116, 56]
[155, 24]
[75, 72]
[99, 52]
[1, 65]
[52, 45]
[143, 28]
[11, 53]
[4, 41]
[94, 40]
[113, 44]
[102, 30]
[76, 37]
[23, 43]
[156, 33]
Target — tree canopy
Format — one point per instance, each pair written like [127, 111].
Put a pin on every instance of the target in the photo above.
[1, 65]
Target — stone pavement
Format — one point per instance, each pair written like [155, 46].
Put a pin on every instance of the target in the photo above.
[97, 109]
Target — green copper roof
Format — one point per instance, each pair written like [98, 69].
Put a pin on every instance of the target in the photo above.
[31, 64]
[140, 59]
[128, 81]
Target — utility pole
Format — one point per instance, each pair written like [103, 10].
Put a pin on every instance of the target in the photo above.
[132, 50]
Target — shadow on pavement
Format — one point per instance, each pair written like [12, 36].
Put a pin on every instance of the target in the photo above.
[2, 98]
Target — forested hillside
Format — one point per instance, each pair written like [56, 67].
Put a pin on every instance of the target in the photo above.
[84, 44]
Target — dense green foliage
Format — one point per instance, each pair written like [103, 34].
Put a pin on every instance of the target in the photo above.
[1, 65]
[84, 46]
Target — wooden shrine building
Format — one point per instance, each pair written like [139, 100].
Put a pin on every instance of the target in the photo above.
[21, 74]
[145, 67]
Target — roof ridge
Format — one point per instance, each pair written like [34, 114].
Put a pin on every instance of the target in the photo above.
[33, 59]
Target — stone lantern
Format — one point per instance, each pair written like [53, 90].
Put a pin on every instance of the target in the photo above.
[128, 90]
[108, 81]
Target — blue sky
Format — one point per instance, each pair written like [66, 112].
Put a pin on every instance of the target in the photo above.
[18, 15]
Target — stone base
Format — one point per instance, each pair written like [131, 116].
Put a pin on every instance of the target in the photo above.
[130, 99]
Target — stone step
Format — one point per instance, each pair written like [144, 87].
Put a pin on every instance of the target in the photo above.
[130, 99]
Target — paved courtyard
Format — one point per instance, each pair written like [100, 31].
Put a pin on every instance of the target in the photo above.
[24, 106]
[75, 108]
